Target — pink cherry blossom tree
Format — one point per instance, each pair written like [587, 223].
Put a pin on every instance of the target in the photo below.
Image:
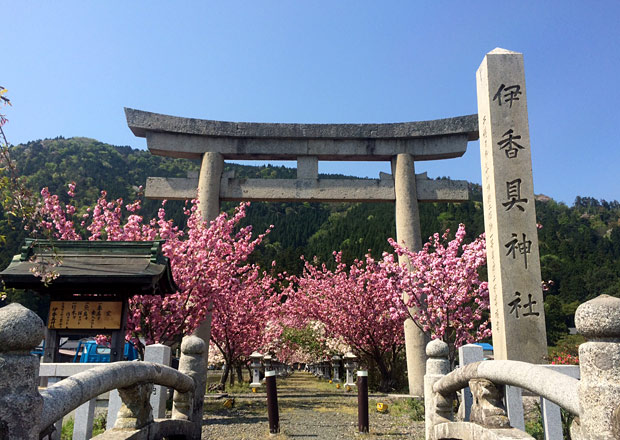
[446, 297]
[240, 317]
[358, 304]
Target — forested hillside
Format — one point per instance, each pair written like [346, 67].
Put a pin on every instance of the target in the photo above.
[580, 245]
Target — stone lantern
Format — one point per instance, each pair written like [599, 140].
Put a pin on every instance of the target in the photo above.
[336, 368]
[255, 364]
[349, 365]
[276, 365]
[326, 368]
[267, 362]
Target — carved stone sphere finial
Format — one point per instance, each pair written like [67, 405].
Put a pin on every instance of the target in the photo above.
[599, 317]
[20, 329]
[193, 345]
[437, 348]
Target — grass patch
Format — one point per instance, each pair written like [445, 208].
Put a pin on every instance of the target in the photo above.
[411, 408]
[340, 409]
[214, 377]
[324, 385]
[239, 388]
[67, 430]
[241, 405]
[67, 427]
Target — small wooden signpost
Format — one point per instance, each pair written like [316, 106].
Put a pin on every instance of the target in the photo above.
[94, 281]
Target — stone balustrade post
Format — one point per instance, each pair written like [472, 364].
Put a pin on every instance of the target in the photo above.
[468, 354]
[599, 360]
[188, 406]
[136, 411]
[21, 330]
[437, 408]
[488, 409]
[159, 354]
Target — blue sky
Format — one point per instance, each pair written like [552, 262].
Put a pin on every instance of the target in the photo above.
[71, 66]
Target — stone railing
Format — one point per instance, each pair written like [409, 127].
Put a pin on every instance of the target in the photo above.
[27, 414]
[84, 415]
[594, 400]
[550, 412]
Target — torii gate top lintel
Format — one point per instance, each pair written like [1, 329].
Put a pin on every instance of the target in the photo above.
[425, 140]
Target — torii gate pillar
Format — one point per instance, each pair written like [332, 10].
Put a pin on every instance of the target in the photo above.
[408, 233]
[209, 180]
[209, 185]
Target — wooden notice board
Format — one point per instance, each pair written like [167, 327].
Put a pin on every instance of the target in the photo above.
[102, 315]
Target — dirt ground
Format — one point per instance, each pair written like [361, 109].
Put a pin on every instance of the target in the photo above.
[309, 408]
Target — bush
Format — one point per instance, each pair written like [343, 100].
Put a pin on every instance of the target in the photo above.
[67, 430]
[99, 424]
[534, 427]
[569, 344]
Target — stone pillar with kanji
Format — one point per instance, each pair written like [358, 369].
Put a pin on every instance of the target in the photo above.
[517, 309]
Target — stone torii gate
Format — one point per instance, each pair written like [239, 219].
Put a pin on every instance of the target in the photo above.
[402, 144]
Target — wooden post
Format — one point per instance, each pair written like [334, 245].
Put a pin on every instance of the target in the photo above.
[362, 402]
[272, 402]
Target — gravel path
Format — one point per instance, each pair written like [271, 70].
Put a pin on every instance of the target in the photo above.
[310, 409]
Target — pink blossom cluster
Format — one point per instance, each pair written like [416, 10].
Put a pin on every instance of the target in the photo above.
[565, 359]
[241, 313]
[444, 293]
[358, 305]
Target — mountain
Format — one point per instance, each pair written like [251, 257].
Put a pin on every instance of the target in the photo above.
[579, 245]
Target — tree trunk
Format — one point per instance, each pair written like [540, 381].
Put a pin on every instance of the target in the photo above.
[387, 381]
[239, 372]
[251, 373]
[225, 375]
